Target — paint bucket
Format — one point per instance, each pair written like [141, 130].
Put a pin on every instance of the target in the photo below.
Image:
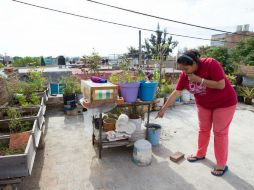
[153, 133]
[142, 153]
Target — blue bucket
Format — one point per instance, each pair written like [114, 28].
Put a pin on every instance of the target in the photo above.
[147, 90]
[153, 133]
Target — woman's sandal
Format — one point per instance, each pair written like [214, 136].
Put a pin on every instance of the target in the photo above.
[195, 158]
[222, 171]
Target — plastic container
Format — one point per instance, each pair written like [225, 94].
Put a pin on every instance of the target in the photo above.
[142, 153]
[147, 90]
[153, 133]
[129, 91]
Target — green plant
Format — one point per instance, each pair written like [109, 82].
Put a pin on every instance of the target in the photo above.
[36, 78]
[5, 150]
[247, 92]
[16, 124]
[22, 62]
[1, 65]
[128, 77]
[141, 75]
[231, 78]
[30, 100]
[164, 89]
[70, 85]
[114, 78]
[92, 62]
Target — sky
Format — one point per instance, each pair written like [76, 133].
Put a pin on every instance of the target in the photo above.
[29, 31]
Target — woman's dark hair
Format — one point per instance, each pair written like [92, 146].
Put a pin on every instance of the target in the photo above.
[188, 57]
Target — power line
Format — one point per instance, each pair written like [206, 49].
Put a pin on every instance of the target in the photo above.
[161, 18]
[110, 22]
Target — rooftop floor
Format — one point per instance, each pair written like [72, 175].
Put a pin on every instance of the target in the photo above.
[69, 160]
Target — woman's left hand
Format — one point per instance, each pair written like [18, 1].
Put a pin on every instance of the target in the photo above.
[194, 78]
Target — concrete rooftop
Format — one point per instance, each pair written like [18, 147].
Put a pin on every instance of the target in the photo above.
[70, 162]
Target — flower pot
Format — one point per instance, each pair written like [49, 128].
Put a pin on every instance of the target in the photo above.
[120, 101]
[248, 101]
[129, 91]
[147, 90]
[69, 102]
[18, 140]
[109, 124]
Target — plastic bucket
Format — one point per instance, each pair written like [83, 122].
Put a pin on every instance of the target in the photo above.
[153, 133]
[147, 90]
[129, 91]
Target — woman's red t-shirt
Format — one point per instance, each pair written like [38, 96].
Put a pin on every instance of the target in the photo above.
[210, 69]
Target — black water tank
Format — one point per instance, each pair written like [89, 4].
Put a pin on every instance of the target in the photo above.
[61, 60]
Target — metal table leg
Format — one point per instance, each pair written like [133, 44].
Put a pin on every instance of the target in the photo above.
[100, 135]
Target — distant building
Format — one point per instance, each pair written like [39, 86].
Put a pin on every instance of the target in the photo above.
[225, 39]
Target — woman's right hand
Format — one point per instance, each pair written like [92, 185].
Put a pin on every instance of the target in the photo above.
[160, 114]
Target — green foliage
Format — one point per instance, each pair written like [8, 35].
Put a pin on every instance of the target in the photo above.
[158, 45]
[219, 53]
[141, 75]
[23, 62]
[128, 77]
[124, 63]
[5, 150]
[71, 85]
[16, 124]
[156, 75]
[1, 65]
[29, 100]
[232, 79]
[92, 62]
[247, 92]
[114, 78]
[36, 79]
[132, 52]
[164, 89]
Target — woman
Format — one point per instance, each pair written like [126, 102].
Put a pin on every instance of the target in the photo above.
[216, 102]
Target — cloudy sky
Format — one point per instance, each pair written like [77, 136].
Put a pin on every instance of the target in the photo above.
[29, 31]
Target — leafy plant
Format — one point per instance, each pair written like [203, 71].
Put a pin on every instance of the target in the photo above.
[22, 62]
[127, 77]
[30, 100]
[114, 78]
[165, 89]
[36, 78]
[16, 124]
[231, 78]
[5, 150]
[247, 92]
[1, 65]
[92, 62]
[70, 85]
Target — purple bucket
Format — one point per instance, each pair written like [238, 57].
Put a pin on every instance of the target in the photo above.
[129, 91]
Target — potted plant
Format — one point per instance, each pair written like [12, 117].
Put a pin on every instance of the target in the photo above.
[19, 130]
[128, 81]
[248, 94]
[69, 85]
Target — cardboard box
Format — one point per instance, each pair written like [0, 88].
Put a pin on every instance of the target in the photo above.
[99, 93]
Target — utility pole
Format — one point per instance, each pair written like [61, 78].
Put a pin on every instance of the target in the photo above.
[139, 49]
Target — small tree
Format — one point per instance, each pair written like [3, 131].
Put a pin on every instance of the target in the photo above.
[158, 47]
[92, 62]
